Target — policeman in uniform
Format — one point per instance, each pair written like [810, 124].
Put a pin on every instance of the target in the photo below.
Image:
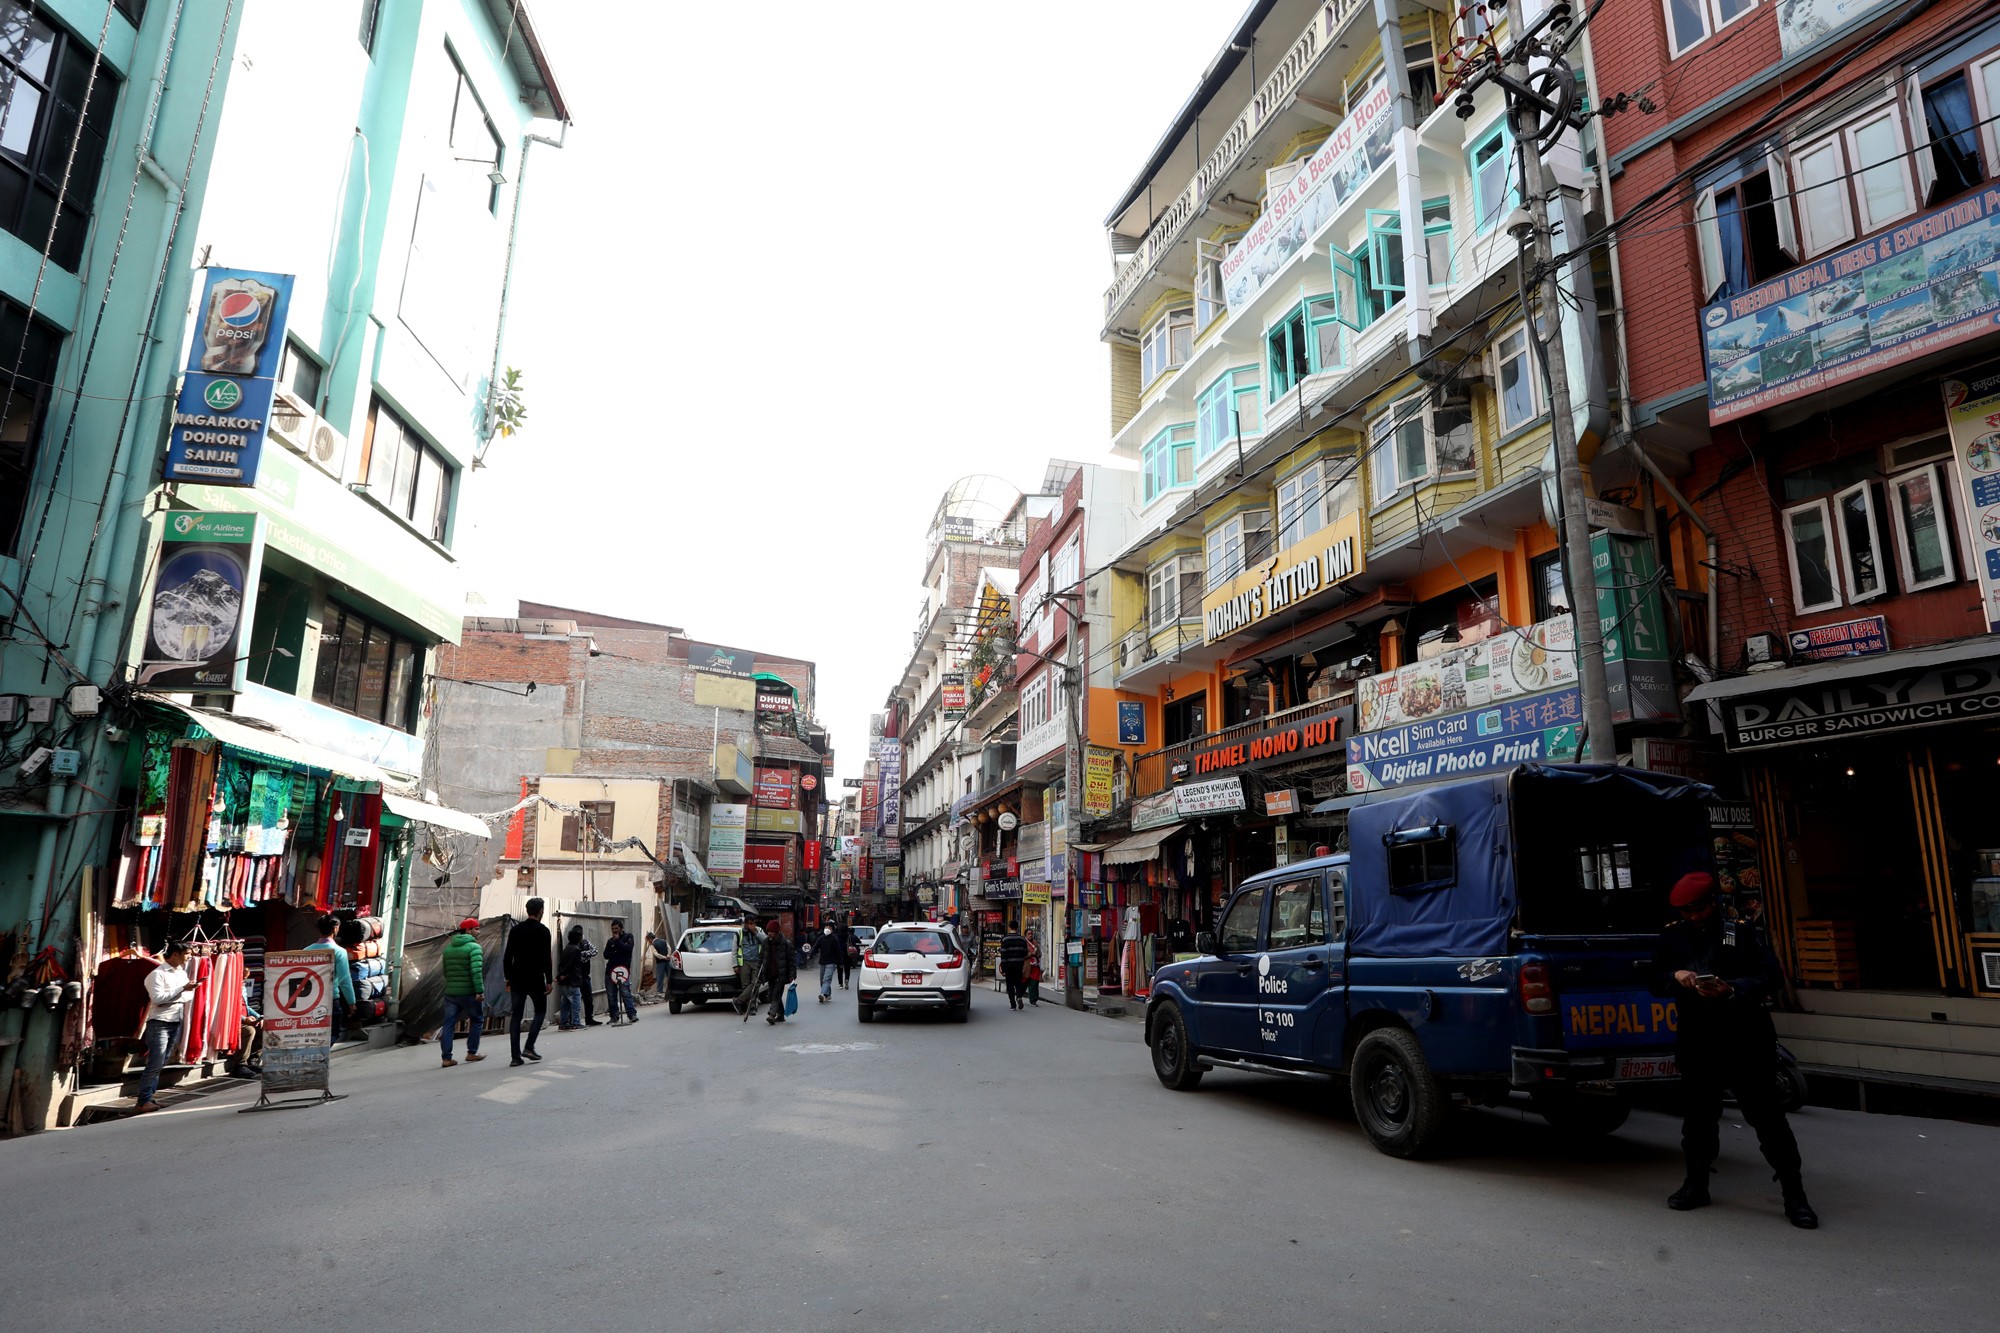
[1720, 973]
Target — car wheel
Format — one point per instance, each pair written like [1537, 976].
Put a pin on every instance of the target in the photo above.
[961, 1012]
[865, 1010]
[1583, 1116]
[1173, 1056]
[673, 1006]
[1402, 1109]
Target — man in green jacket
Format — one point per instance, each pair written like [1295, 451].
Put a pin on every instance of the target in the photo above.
[464, 990]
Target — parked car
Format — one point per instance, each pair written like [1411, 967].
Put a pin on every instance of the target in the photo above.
[914, 965]
[1483, 938]
[858, 940]
[702, 966]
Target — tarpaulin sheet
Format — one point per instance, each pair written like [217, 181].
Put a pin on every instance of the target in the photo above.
[1467, 917]
[421, 1003]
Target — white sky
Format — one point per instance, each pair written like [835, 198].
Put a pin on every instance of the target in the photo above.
[794, 274]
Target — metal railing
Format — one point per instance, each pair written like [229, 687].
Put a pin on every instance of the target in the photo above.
[1151, 771]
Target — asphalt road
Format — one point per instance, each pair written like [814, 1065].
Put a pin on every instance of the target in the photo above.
[1021, 1172]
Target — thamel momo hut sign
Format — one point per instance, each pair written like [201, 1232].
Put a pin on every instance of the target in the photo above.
[1302, 570]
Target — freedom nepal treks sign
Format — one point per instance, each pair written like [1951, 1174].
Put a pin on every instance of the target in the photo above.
[1932, 283]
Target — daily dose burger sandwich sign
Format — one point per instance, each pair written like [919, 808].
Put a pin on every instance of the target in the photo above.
[224, 407]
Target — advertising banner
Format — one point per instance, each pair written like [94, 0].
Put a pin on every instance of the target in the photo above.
[1035, 894]
[952, 694]
[1806, 23]
[224, 407]
[1131, 722]
[203, 601]
[1099, 766]
[812, 854]
[1510, 664]
[776, 821]
[1302, 570]
[1329, 179]
[1638, 668]
[1208, 798]
[764, 863]
[1975, 447]
[1156, 811]
[721, 661]
[731, 692]
[1540, 729]
[891, 802]
[1863, 706]
[1848, 638]
[1299, 740]
[1927, 285]
[773, 789]
[778, 700]
[726, 825]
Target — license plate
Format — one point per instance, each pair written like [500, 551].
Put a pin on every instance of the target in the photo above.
[1655, 1066]
[710, 988]
[913, 978]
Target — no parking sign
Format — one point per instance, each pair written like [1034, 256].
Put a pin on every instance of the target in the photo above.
[298, 999]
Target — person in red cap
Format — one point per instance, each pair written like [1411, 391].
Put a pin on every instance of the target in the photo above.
[464, 990]
[1719, 974]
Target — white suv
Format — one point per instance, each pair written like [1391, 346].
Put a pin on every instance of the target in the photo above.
[702, 966]
[915, 965]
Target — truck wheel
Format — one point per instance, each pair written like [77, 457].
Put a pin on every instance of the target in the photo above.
[1585, 1117]
[1402, 1109]
[673, 1006]
[1173, 1057]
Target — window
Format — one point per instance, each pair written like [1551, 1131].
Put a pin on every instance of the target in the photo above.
[1210, 302]
[1242, 925]
[1173, 590]
[367, 670]
[1225, 409]
[473, 140]
[24, 397]
[1860, 543]
[1416, 440]
[1423, 858]
[1949, 124]
[1311, 499]
[1035, 703]
[1167, 344]
[1240, 542]
[1923, 529]
[1692, 21]
[596, 814]
[1298, 914]
[1420, 59]
[1855, 178]
[1520, 380]
[1167, 462]
[1493, 190]
[1183, 720]
[1437, 240]
[1809, 540]
[405, 475]
[1744, 227]
[43, 74]
[300, 372]
[1986, 99]
[1305, 341]
[1545, 576]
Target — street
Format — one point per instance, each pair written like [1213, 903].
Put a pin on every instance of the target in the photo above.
[1024, 1171]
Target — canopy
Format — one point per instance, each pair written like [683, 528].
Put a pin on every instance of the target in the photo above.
[438, 816]
[1140, 846]
[277, 745]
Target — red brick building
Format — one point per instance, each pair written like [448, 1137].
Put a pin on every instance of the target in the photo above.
[1807, 244]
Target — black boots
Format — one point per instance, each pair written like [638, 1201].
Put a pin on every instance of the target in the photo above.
[1692, 1194]
[1797, 1211]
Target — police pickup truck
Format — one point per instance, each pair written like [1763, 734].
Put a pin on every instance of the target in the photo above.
[1480, 939]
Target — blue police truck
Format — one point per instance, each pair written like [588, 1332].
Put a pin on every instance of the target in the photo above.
[1480, 939]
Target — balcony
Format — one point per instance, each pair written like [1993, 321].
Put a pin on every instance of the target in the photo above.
[1274, 96]
[1147, 657]
[1154, 771]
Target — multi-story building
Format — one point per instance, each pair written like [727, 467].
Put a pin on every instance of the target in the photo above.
[1810, 214]
[1321, 363]
[262, 617]
[661, 768]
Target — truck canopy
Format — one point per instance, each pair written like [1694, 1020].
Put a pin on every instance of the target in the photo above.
[1441, 870]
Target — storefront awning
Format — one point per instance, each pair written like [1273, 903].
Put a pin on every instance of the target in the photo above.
[1140, 846]
[696, 870]
[437, 816]
[1846, 668]
[277, 745]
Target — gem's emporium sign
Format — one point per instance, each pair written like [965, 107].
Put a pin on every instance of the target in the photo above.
[1326, 558]
[1927, 285]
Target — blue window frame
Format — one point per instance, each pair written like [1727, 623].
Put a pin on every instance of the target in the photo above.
[1167, 461]
[1494, 193]
[1226, 408]
[1305, 341]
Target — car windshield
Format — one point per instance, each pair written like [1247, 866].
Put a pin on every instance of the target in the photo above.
[709, 941]
[866, 934]
[912, 941]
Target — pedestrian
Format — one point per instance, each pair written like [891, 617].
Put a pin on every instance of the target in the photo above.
[526, 964]
[1013, 963]
[343, 974]
[780, 969]
[1034, 972]
[618, 975]
[250, 1052]
[1720, 973]
[749, 967]
[847, 950]
[662, 950]
[589, 1002]
[167, 989]
[829, 950]
[464, 991]
[573, 975]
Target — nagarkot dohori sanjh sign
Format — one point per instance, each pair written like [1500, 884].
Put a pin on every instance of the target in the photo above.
[224, 407]
[1304, 569]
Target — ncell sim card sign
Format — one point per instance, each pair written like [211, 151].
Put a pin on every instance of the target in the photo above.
[225, 401]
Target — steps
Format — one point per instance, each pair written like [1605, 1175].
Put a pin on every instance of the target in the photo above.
[1897, 1036]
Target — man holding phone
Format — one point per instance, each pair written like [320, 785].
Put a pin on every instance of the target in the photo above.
[167, 989]
[1719, 974]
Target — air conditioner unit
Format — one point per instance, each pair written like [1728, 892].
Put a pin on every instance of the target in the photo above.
[327, 449]
[292, 421]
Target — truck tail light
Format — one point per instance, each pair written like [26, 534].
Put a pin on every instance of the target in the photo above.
[1537, 997]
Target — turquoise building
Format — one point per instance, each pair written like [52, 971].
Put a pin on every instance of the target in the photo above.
[374, 152]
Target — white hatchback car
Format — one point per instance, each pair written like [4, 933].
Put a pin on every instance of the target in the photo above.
[703, 967]
[914, 965]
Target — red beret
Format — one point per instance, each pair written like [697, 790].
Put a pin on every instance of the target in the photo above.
[1692, 888]
[470, 923]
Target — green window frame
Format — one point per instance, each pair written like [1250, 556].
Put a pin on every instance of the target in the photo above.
[1385, 252]
[1226, 407]
[1492, 151]
[1437, 239]
[1167, 461]
[1304, 341]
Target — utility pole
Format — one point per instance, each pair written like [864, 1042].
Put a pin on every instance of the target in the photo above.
[1073, 762]
[1539, 108]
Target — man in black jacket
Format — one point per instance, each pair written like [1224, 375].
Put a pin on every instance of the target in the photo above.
[618, 975]
[527, 966]
[780, 967]
[1013, 963]
[1719, 974]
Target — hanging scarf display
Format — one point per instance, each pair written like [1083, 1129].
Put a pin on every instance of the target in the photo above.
[190, 796]
[353, 849]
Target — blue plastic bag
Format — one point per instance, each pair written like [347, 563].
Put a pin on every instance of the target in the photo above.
[791, 998]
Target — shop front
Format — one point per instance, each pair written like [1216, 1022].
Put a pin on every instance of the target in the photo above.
[1874, 783]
